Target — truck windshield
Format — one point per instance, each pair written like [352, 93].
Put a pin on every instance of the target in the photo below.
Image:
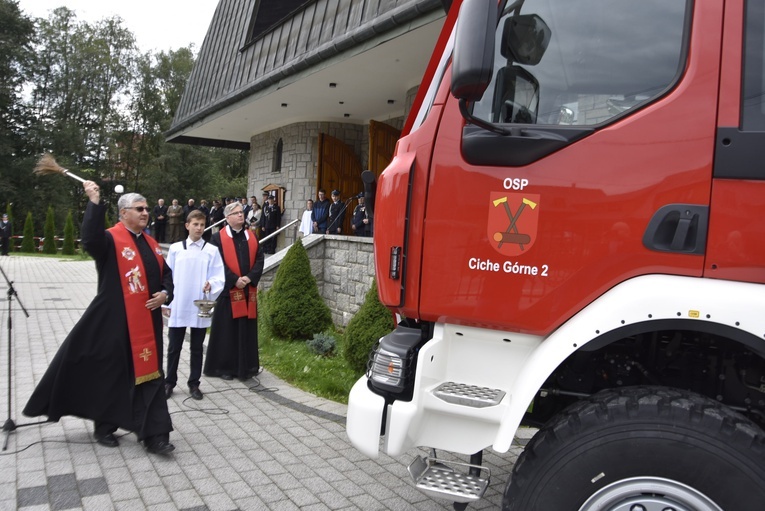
[601, 58]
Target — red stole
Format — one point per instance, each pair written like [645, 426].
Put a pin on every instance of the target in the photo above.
[244, 302]
[135, 291]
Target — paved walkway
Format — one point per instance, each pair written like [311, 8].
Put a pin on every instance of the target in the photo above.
[259, 445]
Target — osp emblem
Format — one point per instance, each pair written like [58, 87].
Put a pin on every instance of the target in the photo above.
[513, 221]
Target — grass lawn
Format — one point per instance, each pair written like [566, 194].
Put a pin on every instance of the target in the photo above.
[294, 362]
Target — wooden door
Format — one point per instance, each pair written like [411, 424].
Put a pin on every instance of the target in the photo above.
[382, 143]
[339, 169]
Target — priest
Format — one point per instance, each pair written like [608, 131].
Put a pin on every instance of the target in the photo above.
[232, 349]
[109, 367]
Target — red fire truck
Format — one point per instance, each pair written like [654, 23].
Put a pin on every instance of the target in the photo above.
[572, 231]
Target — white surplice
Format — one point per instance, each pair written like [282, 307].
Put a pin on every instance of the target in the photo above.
[198, 263]
[306, 226]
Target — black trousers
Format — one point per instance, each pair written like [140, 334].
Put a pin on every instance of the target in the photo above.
[269, 247]
[152, 420]
[159, 231]
[175, 337]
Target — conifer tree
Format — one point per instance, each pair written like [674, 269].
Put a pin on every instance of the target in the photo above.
[28, 243]
[371, 322]
[295, 309]
[49, 233]
[68, 248]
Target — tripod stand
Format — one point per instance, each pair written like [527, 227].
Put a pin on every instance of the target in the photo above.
[9, 425]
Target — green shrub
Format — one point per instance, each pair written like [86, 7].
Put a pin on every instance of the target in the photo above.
[28, 243]
[371, 322]
[49, 233]
[68, 248]
[322, 344]
[294, 307]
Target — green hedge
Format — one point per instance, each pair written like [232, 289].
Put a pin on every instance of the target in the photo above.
[294, 308]
[28, 243]
[371, 322]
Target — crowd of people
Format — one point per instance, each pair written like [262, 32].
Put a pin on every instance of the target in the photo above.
[109, 369]
[327, 217]
[323, 216]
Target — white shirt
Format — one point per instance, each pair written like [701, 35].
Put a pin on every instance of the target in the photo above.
[306, 226]
[200, 262]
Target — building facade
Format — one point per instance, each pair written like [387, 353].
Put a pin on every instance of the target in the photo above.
[316, 90]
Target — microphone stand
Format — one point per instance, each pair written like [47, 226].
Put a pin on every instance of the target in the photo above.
[9, 425]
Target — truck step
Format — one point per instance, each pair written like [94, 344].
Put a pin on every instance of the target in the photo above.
[438, 478]
[468, 395]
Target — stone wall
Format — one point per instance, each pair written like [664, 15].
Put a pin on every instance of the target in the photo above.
[300, 154]
[343, 267]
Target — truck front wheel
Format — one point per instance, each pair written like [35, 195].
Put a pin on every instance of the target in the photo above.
[646, 448]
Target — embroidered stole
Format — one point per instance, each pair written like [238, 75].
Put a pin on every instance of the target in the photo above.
[244, 302]
[135, 291]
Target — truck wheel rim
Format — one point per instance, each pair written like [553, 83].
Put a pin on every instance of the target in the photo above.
[648, 494]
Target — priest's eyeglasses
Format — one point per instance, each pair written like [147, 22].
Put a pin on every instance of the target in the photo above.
[140, 209]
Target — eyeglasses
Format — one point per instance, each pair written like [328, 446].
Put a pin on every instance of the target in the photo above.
[140, 209]
[236, 213]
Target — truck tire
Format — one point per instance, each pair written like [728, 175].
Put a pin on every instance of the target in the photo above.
[659, 448]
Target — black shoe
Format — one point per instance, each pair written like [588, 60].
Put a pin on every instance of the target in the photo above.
[107, 440]
[168, 390]
[160, 447]
[195, 392]
[226, 377]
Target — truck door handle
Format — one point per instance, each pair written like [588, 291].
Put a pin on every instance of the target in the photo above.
[680, 228]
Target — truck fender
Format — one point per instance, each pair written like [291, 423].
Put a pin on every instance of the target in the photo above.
[649, 298]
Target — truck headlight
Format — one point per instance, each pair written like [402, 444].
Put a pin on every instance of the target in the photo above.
[391, 366]
[386, 368]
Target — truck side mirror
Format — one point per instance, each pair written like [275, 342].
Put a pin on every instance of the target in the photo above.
[473, 58]
[525, 38]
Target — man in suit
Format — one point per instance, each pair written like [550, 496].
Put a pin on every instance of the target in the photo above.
[5, 235]
[246, 208]
[272, 217]
[160, 220]
[336, 214]
[174, 221]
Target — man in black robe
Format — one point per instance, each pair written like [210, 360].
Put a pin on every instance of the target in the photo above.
[109, 367]
[233, 346]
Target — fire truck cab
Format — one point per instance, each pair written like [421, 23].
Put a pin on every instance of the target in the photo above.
[572, 231]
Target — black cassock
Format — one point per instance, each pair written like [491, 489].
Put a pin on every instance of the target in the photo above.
[233, 345]
[92, 374]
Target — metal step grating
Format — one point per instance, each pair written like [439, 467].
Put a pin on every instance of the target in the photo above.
[468, 395]
[437, 479]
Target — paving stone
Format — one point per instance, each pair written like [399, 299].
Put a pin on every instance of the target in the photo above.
[245, 447]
